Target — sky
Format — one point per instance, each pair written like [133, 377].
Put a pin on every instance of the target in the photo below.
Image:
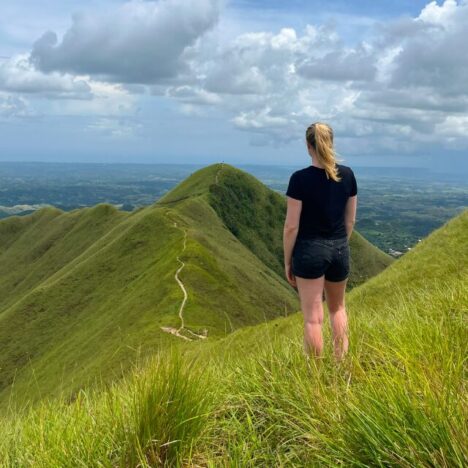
[239, 81]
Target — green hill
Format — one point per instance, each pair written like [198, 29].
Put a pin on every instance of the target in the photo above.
[251, 399]
[84, 293]
[255, 215]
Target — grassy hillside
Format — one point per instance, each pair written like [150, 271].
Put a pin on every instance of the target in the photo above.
[255, 215]
[84, 293]
[36, 246]
[433, 275]
[251, 399]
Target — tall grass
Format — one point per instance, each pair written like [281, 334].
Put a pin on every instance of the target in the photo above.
[153, 418]
[400, 402]
[398, 399]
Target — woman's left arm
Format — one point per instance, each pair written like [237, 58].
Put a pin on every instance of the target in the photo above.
[291, 228]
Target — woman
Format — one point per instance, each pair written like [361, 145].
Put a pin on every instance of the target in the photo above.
[321, 212]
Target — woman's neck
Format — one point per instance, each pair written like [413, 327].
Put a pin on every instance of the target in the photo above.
[316, 164]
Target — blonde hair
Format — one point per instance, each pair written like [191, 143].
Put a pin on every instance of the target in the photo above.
[320, 136]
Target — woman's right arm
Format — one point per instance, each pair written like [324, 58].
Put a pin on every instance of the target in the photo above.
[350, 215]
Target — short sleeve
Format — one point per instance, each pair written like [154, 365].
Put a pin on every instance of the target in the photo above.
[353, 185]
[294, 188]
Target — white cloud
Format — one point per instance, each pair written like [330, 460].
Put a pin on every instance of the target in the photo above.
[454, 127]
[18, 75]
[115, 128]
[432, 51]
[190, 95]
[139, 42]
[445, 14]
[14, 107]
[260, 119]
[406, 83]
[260, 62]
[403, 88]
[108, 100]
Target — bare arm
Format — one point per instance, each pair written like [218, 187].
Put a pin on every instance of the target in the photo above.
[350, 215]
[291, 228]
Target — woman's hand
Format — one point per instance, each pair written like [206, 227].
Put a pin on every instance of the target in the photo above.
[289, 275]
[290, 232]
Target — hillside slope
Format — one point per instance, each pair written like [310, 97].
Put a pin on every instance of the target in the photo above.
[251, 399]
[428, 284]
[255, 215]
[83, 293]
[399, 398]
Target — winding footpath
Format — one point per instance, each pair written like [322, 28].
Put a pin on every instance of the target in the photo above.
[176, 276]
[178, 331]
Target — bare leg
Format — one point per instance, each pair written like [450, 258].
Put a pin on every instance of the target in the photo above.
[310, 293]
[335, 296]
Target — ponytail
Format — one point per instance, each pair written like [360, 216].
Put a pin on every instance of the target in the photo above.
[320, 137]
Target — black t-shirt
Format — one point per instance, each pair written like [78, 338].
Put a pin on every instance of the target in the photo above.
[323, 200]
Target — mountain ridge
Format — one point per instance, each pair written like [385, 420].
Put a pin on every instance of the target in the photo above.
[83, 292]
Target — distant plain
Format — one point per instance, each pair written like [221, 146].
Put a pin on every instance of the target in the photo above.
[397, 205]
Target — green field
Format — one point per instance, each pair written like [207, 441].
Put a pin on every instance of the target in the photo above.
[84, 295]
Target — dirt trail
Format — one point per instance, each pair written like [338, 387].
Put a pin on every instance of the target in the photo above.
[178, 331]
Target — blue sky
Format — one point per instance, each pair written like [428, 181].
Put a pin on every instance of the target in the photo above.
[202, 81]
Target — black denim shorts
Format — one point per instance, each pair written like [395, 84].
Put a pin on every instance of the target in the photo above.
[312, 258]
